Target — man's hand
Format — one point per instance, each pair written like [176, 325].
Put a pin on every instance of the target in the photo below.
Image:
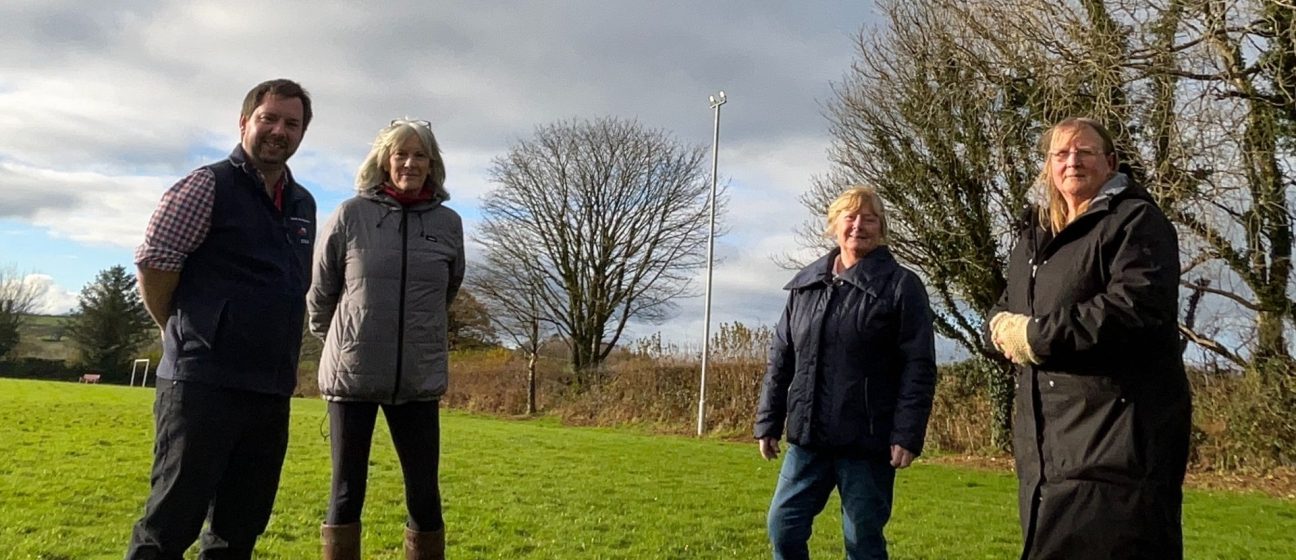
[769, 448]
[901, 457]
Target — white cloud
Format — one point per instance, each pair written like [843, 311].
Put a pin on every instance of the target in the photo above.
[52, 299]
[83, 206]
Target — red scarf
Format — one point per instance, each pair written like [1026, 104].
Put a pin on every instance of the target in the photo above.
[407, 199]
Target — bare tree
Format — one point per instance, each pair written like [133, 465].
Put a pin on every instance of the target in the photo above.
[18, 298]
[942, 107]
[515, 309]
[951, 153]
[1207, 125]
[604, 220]
[1243, 218]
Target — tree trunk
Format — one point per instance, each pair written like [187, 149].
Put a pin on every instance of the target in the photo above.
[531, 383]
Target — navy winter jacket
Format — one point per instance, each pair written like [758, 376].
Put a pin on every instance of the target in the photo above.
[240, 301]
[851, 367]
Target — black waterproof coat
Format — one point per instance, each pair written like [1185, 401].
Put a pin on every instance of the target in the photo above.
[1102, 422]
[851, 366]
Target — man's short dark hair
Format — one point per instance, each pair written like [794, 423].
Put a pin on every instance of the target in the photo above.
[282, 88]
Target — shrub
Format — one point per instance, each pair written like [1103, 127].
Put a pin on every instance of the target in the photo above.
[1243, 422]
[36, 368]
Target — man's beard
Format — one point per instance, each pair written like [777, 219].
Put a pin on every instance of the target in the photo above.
[271, 151]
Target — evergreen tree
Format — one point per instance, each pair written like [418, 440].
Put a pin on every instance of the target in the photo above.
[110, 323]
[470, 323]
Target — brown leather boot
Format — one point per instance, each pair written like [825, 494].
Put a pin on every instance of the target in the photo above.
[425, 545]
[341, 542]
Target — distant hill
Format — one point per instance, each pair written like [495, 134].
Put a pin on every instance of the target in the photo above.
[41, 336]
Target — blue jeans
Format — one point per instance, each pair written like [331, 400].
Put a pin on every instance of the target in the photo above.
[805, 482]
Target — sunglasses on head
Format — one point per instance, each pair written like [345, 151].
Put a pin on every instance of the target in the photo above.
[421, 123]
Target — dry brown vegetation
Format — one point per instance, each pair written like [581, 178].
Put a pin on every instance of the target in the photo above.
[1242, 424]
[1244, 428]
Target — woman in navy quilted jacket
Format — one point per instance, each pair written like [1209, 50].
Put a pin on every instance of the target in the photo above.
[851, 374]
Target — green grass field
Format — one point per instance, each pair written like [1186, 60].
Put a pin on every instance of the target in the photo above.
[74, 462]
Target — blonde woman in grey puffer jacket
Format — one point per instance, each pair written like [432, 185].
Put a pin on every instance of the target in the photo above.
[388, 264]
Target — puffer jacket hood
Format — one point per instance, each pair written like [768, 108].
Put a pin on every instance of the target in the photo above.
[385, 276]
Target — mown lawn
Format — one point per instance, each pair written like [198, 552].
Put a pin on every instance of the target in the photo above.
[74, 463]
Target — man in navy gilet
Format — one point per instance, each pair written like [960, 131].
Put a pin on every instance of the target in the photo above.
[224, 270]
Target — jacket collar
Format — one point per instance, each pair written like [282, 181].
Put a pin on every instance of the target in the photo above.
[1112, 189]
[376, 194]
[865, 275]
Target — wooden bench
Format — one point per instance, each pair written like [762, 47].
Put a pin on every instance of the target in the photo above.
[90, 378]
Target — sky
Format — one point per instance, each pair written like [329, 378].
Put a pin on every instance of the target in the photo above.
[104, 105]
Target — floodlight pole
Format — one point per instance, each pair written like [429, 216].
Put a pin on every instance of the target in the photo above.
[716, 101]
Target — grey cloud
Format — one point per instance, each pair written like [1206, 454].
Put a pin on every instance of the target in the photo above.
[72, 27]
[151, 88]
[155, 75]
[23, 193]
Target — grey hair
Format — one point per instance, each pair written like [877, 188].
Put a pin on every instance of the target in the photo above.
[373, 172]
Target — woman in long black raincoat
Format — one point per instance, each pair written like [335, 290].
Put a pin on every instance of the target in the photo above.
[1103, 407]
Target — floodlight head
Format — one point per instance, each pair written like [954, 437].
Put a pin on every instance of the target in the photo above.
[722, 97]
[711, 98]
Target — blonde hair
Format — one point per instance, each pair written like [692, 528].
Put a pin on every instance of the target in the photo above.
[1054, 211]
[373, 171]
[852, 201]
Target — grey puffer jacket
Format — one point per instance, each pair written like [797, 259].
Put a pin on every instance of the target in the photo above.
[385, 276]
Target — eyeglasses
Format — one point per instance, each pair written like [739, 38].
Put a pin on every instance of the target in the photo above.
[1062, 157]
[421, 123]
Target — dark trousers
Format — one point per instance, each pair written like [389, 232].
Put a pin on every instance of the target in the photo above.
[416, 432]
[217, 457]
[805, 482]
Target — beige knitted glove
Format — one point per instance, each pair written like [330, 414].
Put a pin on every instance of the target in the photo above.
[1008, 332]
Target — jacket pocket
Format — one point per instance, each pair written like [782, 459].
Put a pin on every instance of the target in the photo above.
[198, 325]
[258, 332]
[1088, 428]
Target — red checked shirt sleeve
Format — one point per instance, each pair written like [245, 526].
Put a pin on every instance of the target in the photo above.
[180, 222]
